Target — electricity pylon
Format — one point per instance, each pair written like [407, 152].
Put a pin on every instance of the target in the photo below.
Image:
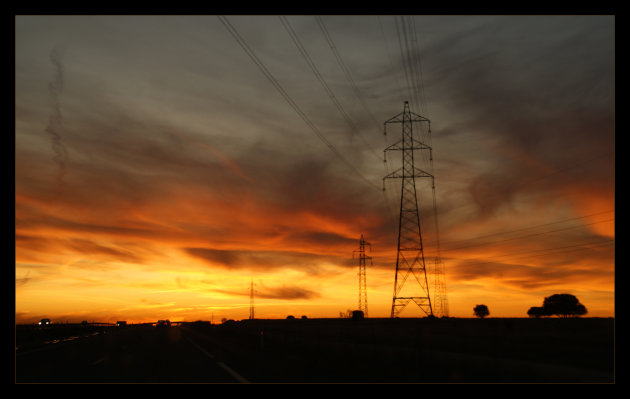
[410, 253]
[363, 306]
[251, 301]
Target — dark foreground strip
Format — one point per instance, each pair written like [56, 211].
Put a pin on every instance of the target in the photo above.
[224, 366]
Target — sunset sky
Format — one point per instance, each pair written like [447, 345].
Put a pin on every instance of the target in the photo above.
[162, 165]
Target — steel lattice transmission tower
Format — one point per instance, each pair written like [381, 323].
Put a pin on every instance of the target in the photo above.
[363, 306]
[251, 301]
[410, 258]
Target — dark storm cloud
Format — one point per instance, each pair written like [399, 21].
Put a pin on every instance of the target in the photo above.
[226, 258]
[488, 90]
[515, 72]
[131, 164]
[526, 98]
[286, 292]
[321, 238]
[313, 183]
[263, 260]
[129, 157]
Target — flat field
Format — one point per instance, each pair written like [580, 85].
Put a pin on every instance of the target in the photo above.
[426, 350]
[406, 350]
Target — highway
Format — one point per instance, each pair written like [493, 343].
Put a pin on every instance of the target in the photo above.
[139, 354]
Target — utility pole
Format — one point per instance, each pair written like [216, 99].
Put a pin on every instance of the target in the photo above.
[410, 259]
[363, 306]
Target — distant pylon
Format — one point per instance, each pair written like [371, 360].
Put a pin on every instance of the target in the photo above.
[363, 306]
[251, 301]
[410, 252]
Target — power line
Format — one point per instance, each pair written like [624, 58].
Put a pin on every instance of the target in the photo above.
[552, 251]
[390, 57]
[414, 35]
[357, 93]
[534, 226]
[287, 97]
[538, 179]
[346, 70]
[322, 81]
[530, 228]
[531, 235]
[564, 169]
[410, 62]
[546, 251]
[409, 53]
[418, 66]
[524, 236]
[404, 63]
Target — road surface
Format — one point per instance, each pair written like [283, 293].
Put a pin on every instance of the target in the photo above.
[135, 354]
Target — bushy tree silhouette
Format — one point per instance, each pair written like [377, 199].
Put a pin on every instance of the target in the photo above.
[357, 315]
[563, 305]
[481, 311]
[536, 311]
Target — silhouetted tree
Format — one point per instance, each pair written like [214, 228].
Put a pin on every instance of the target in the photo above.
[357, 315]
[563, 305]
[481, 311]
[580, 310]
[346, 315]
[536, 311]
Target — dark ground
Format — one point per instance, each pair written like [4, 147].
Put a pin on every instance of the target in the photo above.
[454, 350]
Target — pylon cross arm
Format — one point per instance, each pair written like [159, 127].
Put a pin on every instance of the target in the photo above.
[415, 145]
[411, 117]
[398, 174]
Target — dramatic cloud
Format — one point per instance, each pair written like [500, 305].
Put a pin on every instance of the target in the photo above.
[285, 292]
[264, 260]
[55, 122]
[185, 171]
[282, 293]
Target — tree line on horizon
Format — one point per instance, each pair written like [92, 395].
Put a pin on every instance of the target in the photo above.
[561, 305]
